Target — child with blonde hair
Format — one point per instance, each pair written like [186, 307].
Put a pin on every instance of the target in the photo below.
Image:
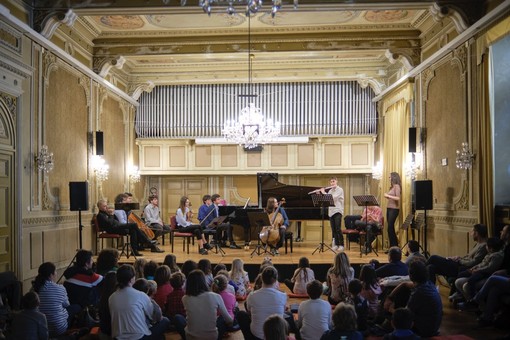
[240, 277]
[338, 278]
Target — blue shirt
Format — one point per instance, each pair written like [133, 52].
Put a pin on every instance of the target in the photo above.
[203, 211]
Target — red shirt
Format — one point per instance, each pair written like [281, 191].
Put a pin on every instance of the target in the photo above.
[161, 294]
[174, 303]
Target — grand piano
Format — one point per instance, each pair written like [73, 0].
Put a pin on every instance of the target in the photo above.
[298, 203]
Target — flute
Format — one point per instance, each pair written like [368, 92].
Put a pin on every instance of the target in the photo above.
[318, 190]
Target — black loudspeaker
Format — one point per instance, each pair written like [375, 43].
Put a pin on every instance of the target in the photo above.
[412, 139]
[79, 196]
[423, 195]
[99, 143]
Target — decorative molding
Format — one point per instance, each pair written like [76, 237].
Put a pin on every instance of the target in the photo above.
[15, 66]
[440, 12]
[84, 81]
[52, 220]
[48, 22]
[135, 90]
[426, 77]
[461, 202]
[460, 55]
[10, 38]
[49, 65]
[452, 220]
[11, 103]
[235, 198]
[49, 202]
[376, 85]
[102, 95]
[107, 64]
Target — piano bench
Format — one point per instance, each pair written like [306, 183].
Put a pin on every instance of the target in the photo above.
[288, 236]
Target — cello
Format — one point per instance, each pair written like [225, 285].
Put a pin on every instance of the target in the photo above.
[271, 234]
[134, 218]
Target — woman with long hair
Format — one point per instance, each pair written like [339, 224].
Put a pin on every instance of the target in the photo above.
[171, 261]
[302, 276]
[338, 279]
[202, 307]
[393, 207]
[184, 225]
[54, 302]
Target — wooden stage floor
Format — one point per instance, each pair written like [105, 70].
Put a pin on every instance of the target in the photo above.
[305, 248]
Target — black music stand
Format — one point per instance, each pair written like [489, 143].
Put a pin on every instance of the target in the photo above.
[366, 201]
[260, 219]
[322, 200]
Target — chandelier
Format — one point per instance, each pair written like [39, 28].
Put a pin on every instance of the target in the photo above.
[252, 128]
[134, 174]
[101, 169]
[464, 159]
[252, 6]
[44, 160]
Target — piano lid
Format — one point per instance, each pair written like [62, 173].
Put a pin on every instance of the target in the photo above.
[295, 195]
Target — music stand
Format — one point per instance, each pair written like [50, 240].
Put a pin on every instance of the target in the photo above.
[260, 219]
[366, 201]
[322, 200]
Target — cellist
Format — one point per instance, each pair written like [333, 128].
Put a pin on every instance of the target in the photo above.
[281, 222]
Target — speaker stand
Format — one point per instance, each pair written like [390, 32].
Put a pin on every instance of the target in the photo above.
[80, 229]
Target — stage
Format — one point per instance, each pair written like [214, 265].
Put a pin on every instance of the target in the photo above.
[285, 263]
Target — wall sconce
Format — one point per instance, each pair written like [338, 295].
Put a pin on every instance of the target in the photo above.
[101, 169]
[413, 165]
[44, 160]
[465, 157]
[377, 171]
[134, 174]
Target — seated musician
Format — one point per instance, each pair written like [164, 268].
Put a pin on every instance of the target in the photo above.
[280, 220]
[184, 225]
[153, 218]
[372, 218]
[217, 201]
[107, 222]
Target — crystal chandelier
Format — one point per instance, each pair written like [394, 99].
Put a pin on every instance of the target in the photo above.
[101, 169]
[44, 160]
[251, 6]
[377, 171]
[134, 174]
[251, 129]
[464, 159]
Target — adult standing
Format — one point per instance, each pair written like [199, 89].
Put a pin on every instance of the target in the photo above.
[152, 217]
[335, 213]
[393, 207]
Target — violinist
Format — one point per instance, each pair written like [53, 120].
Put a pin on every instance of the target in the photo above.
[280, 221]
[184, 225]
[153, 217]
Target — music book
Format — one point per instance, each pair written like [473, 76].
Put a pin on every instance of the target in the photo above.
[216, 221]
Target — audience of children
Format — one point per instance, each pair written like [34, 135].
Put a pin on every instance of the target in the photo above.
[149, 270]
[171, 261]
[314, 315]
[276, 328]
[302, 276]
[29, 323]
[202, 307]
[344, 323]
[413, 252]
[139, 265]
[162, 278]
[402, 322]
[338, 278]
[240, 278]
[219, 286]
[205, 266]
[359, 303]
[370, 289]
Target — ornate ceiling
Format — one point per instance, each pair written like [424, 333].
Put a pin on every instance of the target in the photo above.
[133, 42]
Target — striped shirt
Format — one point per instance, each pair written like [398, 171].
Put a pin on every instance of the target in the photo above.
[54, 299]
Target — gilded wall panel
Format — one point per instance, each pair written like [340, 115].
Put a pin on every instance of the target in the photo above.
[65, 132]
[152, 156]
[359, 154]
[446, 122]
[254, 159]
[36, 249]
[305, 155]
[279, 156]
[115, 146]
[177, 156]
[229, 156]
[332, 155]
[203, 156]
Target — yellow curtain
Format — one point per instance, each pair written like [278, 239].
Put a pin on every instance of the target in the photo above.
[395, 155]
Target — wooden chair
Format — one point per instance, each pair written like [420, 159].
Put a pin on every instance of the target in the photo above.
[350, 228]
[186, 237]
[103, 235]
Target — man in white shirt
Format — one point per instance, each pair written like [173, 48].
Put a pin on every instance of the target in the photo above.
[153, 218]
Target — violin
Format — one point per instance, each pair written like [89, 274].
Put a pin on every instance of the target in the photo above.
[189, 214]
